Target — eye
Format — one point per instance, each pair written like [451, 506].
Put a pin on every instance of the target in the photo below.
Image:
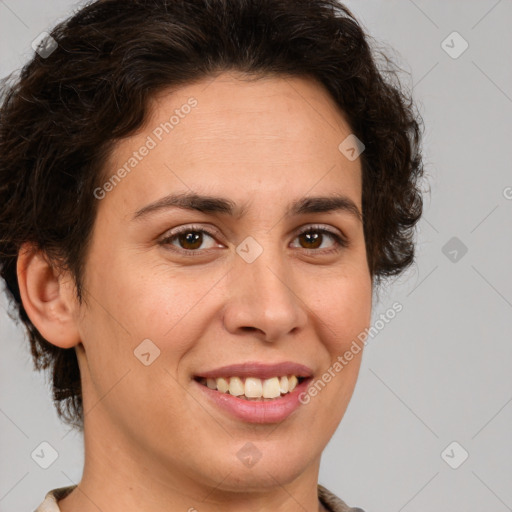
[189, 239]
[314, 236]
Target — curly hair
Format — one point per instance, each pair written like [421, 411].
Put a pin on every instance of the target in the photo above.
[60, 118]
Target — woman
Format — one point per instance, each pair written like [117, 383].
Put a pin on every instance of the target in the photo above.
[200, 199]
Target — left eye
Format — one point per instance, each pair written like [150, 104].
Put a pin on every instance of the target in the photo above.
[314, 237]
[191, 239]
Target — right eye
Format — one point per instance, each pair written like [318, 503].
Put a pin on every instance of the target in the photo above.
[187, 240]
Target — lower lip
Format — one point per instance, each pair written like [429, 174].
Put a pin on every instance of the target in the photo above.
[253, 411]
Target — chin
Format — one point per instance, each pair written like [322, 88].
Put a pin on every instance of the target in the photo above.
[266, 466]
[260, 477]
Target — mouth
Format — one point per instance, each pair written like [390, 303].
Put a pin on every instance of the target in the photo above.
[255, 392]
[253, 388]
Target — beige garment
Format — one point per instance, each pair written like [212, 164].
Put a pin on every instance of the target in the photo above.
[331, 502]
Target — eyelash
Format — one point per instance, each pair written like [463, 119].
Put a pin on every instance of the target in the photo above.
[340, 241]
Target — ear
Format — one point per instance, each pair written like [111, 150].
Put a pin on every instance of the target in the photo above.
[48, 297]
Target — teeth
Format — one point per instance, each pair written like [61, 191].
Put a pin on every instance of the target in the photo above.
[292, 382]
[236, 386]
[271, 388]
[253, 388]
[222, 385]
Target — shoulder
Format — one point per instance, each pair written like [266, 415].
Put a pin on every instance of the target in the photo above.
[333, 503]
[52, 497]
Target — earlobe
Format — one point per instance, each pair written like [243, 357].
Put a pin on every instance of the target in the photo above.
[47, 298]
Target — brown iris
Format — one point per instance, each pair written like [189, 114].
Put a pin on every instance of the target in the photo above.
[312, 237]
[195, 238]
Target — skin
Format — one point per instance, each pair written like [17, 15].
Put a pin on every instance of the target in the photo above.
[152, 440]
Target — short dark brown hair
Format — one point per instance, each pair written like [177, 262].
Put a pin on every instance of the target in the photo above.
[60, 118]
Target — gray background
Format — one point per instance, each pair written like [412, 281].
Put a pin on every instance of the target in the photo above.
[440, 371]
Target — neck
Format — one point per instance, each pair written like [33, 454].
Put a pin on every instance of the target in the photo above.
[119, 478]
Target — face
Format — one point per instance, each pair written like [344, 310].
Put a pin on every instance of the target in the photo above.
[259, 277]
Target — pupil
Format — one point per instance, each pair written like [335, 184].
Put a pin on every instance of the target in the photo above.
[193, 238]
[312, 238]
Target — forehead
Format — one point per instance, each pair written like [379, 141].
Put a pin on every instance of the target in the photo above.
[272, 135]
[259, 111]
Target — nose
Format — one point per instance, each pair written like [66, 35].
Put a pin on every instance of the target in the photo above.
[264, 299]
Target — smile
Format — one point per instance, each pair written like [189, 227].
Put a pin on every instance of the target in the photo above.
[253, 388]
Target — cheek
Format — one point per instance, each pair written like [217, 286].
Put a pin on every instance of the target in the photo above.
[157, 302]
[344, 308]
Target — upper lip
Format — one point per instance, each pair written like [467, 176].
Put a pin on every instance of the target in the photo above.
[258, 370]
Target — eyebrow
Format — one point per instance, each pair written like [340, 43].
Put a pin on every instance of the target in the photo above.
[224, 206]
